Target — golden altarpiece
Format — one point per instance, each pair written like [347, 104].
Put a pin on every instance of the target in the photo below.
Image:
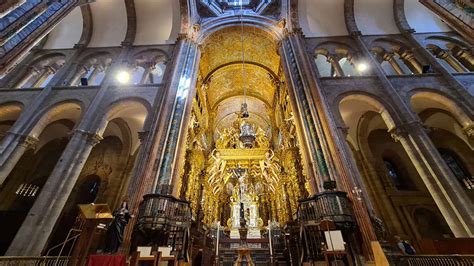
[222, 170]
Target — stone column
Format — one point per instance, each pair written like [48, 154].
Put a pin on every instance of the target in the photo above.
[464, 56]
[336, 162]
[411, 62]
[81, 71]
[181, 91]
[443, 55]
[335, 64]
[7, 163]
[156, 160]
[33, 235]
[389, 58]
[448, 194]
[32, 72]
[305, 114]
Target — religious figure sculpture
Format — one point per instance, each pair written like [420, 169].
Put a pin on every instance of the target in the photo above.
[261, 139]
[114, 235]
[216, 168]
[269, 168]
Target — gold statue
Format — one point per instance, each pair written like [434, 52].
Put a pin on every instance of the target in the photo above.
[270, 169]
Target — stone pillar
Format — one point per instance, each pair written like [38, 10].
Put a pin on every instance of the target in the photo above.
[7, 163]
[32, 72]
[336, 162]
[411, 62]
[306, 114]
[180, 93]
[389, 58]
[443, 55]
[464, 56]
[452, 201]
[81, 71]
[33, 235]
[335, 64]
[155, 162]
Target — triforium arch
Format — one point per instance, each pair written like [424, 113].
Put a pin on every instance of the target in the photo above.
[33, 160]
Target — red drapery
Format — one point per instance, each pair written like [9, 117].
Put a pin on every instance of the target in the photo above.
[106, 260]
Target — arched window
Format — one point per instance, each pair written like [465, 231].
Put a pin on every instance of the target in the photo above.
[347, 67]
[446, 59]
[398, 179]
[40, 72]
[151, 65]
[457, 167]
[93, 68]
[138, 75]
[324, 67]
[156, 74]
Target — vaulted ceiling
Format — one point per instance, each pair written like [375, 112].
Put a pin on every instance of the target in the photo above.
[221, 69]
[159, 21]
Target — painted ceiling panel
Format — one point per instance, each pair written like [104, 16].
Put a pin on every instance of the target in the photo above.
[326, 18]
[375, 17]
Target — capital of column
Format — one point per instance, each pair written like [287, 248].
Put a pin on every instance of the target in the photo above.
[403, 130]
[388, 57]
[398, 134]
[28, 142]
[92, 138]
[344, 130]
[143, 135]
[469, 130]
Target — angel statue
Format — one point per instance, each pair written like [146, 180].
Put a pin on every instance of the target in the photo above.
[269, 168]
[216, 168]
[262, 139]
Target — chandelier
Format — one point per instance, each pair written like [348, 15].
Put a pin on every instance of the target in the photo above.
[247, 134]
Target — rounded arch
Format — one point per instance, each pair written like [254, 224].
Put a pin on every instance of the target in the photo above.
[48, 58]
[153, 54]
[422, 100]
[368, 103]
[10, 110]
[9, 113]
[265, 24]
[71, 110]
[132, 112]
[448, 40]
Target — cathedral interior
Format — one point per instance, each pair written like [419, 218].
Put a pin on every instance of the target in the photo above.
[237, 132]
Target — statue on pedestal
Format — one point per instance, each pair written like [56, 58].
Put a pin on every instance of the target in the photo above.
[114, 235]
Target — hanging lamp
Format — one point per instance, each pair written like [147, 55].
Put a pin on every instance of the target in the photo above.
[247, 134]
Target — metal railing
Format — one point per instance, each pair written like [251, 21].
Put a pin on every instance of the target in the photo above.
[425, 260]
[34, 261]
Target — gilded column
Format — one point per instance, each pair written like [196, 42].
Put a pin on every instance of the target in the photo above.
[33, 235]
